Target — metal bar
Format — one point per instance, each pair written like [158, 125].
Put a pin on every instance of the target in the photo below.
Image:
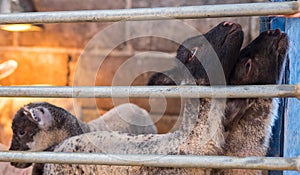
[249, 91]
[205, 11]
[182, 161]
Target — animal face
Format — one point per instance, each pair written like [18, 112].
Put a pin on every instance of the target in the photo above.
[23, 132]
[261, 62]
[28, 122]
[196, 55]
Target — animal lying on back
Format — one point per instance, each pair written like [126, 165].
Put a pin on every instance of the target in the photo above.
[192, 140]
[248, 122]
[251, 120]
[41, 126]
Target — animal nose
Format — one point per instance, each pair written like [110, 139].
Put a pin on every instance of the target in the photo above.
[234, 27]
[274, 32]
[277, 31]
[227, 23]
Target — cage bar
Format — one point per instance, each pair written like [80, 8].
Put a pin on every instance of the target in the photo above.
[249, 91]
[183, 161]
[178, 161]
[205, 11]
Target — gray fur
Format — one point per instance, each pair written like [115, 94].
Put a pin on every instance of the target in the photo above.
[126, 118]
[180, 142]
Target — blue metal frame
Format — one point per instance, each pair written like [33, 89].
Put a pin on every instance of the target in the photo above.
[286, 133]
[292, 118]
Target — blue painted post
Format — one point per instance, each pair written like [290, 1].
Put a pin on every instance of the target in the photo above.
[289, 116]
[292, 109]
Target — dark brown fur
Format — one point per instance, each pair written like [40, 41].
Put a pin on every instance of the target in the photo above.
[60, 125]
[204, 65]
[248, 122]
[261, 62]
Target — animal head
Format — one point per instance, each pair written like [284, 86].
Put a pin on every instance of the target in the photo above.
[261, 62]
[194, 53]
[38, 126]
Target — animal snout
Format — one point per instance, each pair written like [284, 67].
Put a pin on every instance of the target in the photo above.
[234, 26]
[20, 165]
[14, 147]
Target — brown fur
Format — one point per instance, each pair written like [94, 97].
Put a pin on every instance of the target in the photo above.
[53, 138]
[251, 128]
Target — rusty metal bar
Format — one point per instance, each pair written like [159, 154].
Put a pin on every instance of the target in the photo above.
[205, 11]
[182, 161]
[249, 91]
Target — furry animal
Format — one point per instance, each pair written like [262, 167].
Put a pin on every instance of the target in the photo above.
[126, 118]
[202, 69]
[250, 120]
[199, 139]
[41, 126]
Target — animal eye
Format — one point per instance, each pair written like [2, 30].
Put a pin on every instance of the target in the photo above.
[21, 133]
[248, 66]
[42, 110]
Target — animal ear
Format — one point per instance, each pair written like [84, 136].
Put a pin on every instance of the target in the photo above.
[39, 115]
[193, 53]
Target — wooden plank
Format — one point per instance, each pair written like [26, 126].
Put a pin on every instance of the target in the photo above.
[292, 115]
